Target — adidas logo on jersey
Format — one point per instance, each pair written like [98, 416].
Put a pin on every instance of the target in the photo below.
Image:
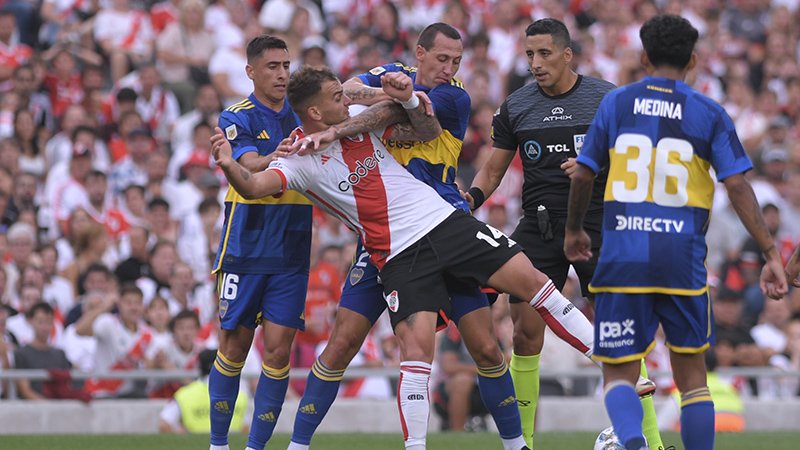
[324, 158]
[263, 135]
[308, 409]
[508, 401]
[222, 407]
[267, 417]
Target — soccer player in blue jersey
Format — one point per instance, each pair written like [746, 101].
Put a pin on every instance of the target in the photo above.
[659, 138]
[263, 259]
[434, 162]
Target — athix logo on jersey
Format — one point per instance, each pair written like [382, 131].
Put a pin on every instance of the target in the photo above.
[361, 170]
[654, 224]
[532, 149]
[557, 113]
[392, 301]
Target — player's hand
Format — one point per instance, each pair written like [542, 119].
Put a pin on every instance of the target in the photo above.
[221, 148]
[577, 246]
[313, 142]
[792, 272]
[426, 102]
[398, 86]
[569, 166]
[468, 197]
[773, 279]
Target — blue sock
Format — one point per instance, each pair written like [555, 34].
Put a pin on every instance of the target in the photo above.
[321, 389]
[497, 392]
[625, 411]
[697, 420]
[223, 388]
[270, 393]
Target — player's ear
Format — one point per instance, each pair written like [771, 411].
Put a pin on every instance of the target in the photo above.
[249, 71]
[644, 60]
[314, 113]
[568, 54]
[420, 52]
[692, 62]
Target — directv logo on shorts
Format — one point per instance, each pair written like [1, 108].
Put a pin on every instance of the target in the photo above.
[615, 330]
[533, 150]
[362, 170]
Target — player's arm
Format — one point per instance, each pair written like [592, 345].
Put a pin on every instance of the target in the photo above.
[744, 202]
[577, 245]
[489, 177]
[362, 94]
[254, 162]
[793, 268]
[248, 185]
[243, 143]
[420, 124]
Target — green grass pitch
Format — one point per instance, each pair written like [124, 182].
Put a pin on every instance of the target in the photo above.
[436, 441]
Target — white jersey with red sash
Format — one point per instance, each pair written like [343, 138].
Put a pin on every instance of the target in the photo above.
[118, 348]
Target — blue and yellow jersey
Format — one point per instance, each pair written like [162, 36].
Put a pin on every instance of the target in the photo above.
[434, 162]
[267, 235]
[658, 138]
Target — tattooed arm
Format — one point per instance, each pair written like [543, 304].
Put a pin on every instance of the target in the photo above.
[361, 94]
[248, 185]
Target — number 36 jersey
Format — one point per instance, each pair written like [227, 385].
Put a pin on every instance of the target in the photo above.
[658, 138]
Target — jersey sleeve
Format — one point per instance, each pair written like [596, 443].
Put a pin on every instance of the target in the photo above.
[502, 131]
[372, 78]
[728, 157]
[237, 131]
[594, 153]
[452, 107]
[103, 327]
[295, 171]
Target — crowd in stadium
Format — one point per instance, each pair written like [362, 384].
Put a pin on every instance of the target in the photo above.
[110, 204]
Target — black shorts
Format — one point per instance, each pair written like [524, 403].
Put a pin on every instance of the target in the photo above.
[458, 254]
[548, 255]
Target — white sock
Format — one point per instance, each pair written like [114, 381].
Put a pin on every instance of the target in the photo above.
[564, 318]
[517, 443]
[219, 447]
[296, 446]
[413, 399]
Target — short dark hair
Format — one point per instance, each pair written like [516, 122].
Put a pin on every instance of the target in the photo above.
[184, 314]
[41, 306]
[130, 288]
[158, 202]
[305, 84]
[554, 28]
[94, 173]
[258, 44]
[428, 35]
[126, 94]
[668, 40]
[82, 129]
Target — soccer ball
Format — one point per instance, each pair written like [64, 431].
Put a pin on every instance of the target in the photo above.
[607, 440]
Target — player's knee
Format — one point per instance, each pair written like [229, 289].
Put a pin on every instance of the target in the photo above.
[486, 354]
[527, 342]
[277, 357]
[339, 351]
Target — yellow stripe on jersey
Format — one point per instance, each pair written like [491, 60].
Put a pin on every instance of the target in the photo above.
[457, 83]
[288, 198]
[442, 150]
[647, 290]
[243, 105]
[626, 168]
[225, 237]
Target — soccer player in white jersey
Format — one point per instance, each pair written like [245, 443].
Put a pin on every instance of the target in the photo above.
[414, 237]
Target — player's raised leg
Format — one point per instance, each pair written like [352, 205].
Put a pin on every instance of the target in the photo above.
[528, 342]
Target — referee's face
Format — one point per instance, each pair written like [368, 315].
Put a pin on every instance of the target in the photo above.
[548, 62]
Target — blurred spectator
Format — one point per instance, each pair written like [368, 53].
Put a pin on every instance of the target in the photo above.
[135, 265]
[7, 344]
[22, 197]
[184, 294]
[456, 395]
[64, 21]
[157, 316]
[20, 324]
[63, 82]
[14, 53]
[100, 206]
[124, 35]
[70, 194]
[179, 352]
[30, 99]
[157, 106]
[188, 411]
[160, 221]
[279, 16]
[21, 244]
[199, 238]
[38, 354]
[31, 158]
[389, 38]
[206, 110]
[162, 259]
[90, 246]
[132, 168]
[122, 341]
[57, 289]
[225, 66]
[134, 205]
[340, 49]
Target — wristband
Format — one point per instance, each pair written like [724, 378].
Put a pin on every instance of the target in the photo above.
[411, 103]
[477, 197]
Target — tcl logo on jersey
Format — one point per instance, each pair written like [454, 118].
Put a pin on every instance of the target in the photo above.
[362, 170]
[558, 148]
[557, 114]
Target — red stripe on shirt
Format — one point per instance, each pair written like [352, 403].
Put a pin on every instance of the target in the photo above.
[370, 196]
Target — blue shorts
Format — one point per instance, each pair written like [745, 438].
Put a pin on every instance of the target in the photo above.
[363, 292]
[626, 324]
[247, 299]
